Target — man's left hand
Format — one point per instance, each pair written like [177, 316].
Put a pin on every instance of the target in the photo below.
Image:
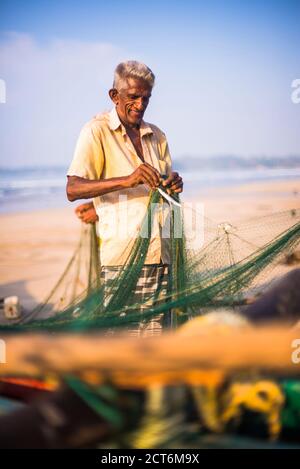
[173, 183]
[86, 213]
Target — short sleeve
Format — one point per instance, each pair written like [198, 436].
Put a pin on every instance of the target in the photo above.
[88, 159]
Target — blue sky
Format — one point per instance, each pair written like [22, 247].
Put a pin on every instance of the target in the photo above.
[224, 71]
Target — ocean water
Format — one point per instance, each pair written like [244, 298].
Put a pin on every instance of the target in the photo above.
[27, 189]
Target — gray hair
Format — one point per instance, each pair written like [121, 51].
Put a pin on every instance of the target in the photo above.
[132, 69]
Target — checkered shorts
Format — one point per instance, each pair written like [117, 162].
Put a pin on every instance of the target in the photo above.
[151, 287]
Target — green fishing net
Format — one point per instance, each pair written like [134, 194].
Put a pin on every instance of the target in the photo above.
[223, 265]
[229, 264]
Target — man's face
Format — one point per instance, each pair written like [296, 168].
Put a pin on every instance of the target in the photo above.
[131, 102]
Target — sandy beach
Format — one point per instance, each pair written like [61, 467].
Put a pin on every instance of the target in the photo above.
[36, 246]
[239, 203]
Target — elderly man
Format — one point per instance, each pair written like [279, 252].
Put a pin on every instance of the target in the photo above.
[118, 159]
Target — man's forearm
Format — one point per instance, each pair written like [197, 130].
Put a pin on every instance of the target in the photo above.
[80, 188]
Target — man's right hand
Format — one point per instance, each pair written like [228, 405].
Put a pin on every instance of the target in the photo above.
[145, 174]
[81, 188]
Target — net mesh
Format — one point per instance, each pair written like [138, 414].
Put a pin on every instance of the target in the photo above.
[228, 265]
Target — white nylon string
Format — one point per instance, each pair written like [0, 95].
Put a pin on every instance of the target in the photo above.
[168, 198]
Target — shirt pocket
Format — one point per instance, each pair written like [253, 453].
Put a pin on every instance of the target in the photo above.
[162, 167]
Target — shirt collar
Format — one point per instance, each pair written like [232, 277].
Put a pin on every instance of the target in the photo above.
[115, 123]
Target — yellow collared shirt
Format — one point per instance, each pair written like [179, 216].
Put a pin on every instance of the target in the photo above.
[105, 151]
